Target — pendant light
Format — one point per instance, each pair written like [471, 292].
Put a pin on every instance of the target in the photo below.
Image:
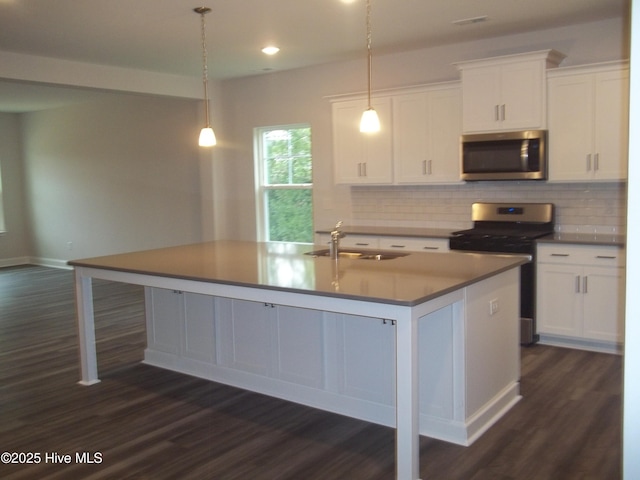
[369, 122]
[207, 137]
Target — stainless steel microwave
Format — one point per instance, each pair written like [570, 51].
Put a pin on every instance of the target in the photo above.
[518, 155]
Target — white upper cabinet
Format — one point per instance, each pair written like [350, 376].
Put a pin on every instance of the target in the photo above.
[362, 158]
[426, 135]
[588, 123]
[506, 93]
[418, 141]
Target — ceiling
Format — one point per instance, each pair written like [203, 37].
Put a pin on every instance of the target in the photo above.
[164, 35]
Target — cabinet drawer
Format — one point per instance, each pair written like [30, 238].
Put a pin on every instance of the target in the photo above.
[415, 244]
[358, 241]
[605, 256]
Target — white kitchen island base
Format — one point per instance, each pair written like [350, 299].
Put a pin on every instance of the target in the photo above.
[446, 367]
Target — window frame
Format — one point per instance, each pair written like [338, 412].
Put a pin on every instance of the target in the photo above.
[262, 189]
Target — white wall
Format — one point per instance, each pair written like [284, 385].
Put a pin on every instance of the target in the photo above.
[631, 425]
[299, 96]
[113, 176]
[14, 243]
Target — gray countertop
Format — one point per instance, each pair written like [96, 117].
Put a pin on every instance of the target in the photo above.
[606, 239]
[617, 240]
[409, 280]
[396, 231]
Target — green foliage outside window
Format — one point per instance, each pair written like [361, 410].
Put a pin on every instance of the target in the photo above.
[287, 184]
[290, 216]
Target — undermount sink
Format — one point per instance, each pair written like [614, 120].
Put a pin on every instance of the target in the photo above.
[358, 254]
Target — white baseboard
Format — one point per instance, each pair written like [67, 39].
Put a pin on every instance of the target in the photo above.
[40, 261]
[50, 262]
[14, 262]
[581, 344]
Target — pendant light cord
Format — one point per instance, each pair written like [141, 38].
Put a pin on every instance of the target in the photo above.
[205, 70]
[369, 52]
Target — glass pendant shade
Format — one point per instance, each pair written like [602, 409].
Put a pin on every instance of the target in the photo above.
[370, 123]
[207, 137]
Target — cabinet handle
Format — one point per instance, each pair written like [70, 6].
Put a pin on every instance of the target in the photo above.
[398, 246]
[429, 167]
[607, 257]
[359, 169]
[503, 112]
[588, 162]
[559, 254]
[362, 244]
[585, 284]
[424, 167]
[497, 113]
[596, 162]
[431, 248]
[577, 283]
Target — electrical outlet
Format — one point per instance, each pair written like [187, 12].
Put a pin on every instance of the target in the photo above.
[493, 306]
[69, 245]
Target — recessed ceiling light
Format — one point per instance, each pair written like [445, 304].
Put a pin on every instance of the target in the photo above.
[469, 21]
[270, 50]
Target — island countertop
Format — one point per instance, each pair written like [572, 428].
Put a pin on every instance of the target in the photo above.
[409, 280]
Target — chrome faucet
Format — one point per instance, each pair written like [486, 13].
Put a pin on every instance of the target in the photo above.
[336, 235]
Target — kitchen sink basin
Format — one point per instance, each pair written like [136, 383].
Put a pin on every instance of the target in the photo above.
[358, 254]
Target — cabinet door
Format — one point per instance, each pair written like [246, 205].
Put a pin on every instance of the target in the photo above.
[199, 339]
[366, 352]
[588, 126]
[164, 319]
[571, 112]
[426, 140]
[480, 98]
[299, 350]
[411, 138]
[445, 127]
[245, 335]
[559, 300]
[611, 125]
[603, 290]
[360, 157]
[521, 102]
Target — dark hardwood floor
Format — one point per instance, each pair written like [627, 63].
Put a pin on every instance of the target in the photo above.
[141, 422]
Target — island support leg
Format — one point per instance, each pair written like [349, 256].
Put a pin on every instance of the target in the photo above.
[86, 329]
[407, 408]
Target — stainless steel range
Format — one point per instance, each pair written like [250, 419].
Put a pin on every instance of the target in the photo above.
[510, 228]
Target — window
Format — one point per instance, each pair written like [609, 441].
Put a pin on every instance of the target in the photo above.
[284, 184]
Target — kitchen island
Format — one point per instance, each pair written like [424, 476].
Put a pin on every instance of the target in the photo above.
[426, 343]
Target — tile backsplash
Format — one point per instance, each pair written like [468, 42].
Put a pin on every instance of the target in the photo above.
[580, 207]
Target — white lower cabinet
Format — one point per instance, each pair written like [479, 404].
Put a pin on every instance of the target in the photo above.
[366, 358]
[345, 363]
[409, 244]
[180, 323]
[580, 296]
[272, 340]
[439, 245]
